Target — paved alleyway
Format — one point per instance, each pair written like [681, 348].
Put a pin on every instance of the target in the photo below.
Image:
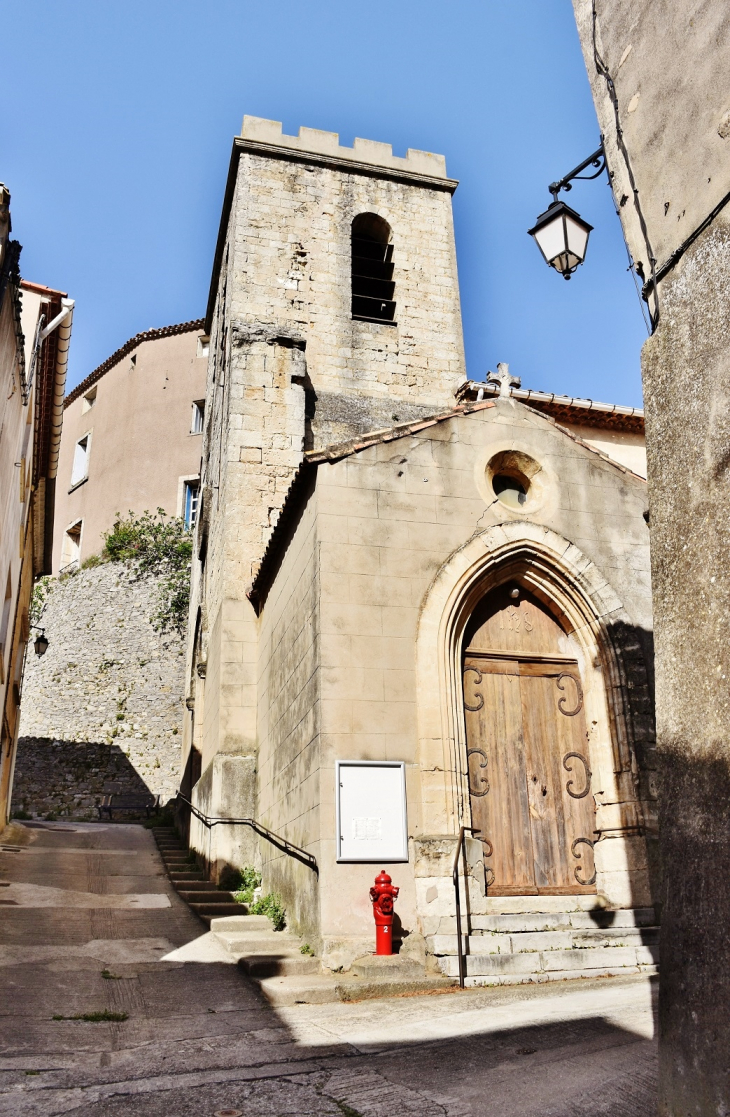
[88, 898]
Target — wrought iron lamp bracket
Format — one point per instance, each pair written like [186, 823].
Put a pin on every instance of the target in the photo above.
[597, 160]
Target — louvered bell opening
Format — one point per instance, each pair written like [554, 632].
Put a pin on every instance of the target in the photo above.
[372, 280]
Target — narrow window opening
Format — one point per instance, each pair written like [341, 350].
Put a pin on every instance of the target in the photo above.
[192, 492]
[196, 426]
[71, 549]
[373, 289]
[80, 469]
[89, 401]
[203, 346]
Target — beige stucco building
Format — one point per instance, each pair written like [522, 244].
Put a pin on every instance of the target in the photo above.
[419, 602]
[35, 334]
[131, 439]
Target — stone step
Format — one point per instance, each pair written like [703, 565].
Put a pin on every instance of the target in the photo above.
[559, 975]
[257, 942]
[598, 961]
[243, 923]
[204, 894]
[189, 886]
[193, 875]
[562, 920]
[279, 965]
[529, 941]
[324, 988]
[206, 911]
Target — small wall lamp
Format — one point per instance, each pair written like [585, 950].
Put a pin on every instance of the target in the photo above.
[560, 233]
[41, 643]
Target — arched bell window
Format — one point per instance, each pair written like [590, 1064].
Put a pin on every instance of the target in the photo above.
[373, 289]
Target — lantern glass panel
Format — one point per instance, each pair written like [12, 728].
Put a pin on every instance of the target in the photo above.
[577, 238]
[551, 238]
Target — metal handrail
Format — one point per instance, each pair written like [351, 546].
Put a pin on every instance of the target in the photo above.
[455, 876]
[281, 843]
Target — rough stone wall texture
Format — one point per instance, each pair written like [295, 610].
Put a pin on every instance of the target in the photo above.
[106, 698]
[687, 362]
[667, 137]
[291, 263]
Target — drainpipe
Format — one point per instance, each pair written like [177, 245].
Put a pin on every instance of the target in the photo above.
[63, 323]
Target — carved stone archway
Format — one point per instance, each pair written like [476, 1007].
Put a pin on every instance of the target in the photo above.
[611, 658]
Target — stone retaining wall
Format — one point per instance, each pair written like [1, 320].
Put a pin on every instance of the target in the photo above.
[102, 710]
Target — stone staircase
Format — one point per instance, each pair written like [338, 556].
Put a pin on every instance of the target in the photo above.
[539, 946]
[202, 896]
[274, 960]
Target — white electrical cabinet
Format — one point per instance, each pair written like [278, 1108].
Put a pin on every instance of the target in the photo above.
[371, 810]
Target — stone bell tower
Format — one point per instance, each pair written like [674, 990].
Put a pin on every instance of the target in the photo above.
[334, 310]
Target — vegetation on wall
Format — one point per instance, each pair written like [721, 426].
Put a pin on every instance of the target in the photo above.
[41, 590]
[161, 545]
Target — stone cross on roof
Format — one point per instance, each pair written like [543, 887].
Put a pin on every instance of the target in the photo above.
[503, 378]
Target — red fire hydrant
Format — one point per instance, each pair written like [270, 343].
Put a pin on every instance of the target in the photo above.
[383, 893]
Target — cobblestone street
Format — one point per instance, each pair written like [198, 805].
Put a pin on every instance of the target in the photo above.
[89, 922]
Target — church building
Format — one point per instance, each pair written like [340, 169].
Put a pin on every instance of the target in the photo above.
[420, 603]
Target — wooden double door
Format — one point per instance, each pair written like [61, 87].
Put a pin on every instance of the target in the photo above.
[529, 773]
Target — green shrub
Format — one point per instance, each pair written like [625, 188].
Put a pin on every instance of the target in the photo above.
[21, 815]
[161, 545]
[241, 882]
[306, 949]
[270, 905]
[91, 561]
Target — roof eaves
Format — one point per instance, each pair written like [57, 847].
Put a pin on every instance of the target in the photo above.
[301, 484]
[586, 445]
[390, 434]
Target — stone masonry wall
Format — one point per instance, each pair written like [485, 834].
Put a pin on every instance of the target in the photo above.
[102, 710]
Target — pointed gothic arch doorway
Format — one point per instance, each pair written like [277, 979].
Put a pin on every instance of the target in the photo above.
[527, 748]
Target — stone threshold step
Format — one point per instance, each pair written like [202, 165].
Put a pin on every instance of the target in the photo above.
[559, 975]
[191, 876]
[484, 965]
[556, 920]
[519, 942]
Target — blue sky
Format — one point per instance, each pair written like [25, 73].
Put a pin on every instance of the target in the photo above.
[115, 145]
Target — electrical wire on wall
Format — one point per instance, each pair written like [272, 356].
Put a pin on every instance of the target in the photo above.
[603, 70]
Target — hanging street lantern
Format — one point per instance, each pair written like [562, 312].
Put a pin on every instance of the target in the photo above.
[561, 235]
[40, 643]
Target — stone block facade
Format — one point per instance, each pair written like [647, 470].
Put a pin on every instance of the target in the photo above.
[291, 369]
[352, 664]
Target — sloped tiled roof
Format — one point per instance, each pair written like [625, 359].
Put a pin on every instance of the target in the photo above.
[129, 347]
[303, 479]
